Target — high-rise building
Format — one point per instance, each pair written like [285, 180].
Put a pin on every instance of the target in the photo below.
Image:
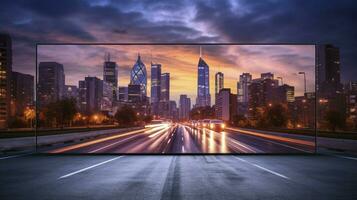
[173, 110]
[203, 93]
[22, 93]
[226, 106]
[51, 81]
[5, 79]
[284, 94]
[82, 96]
[328, 69]
[242, 87]
[155, 88]
[165, 87]
[184, 107]
[164, 104]
[351, 102]
[267, 75]
[106, 104]
[134, 93]
[71, 91]
[123, 94]
[219, 82]
[329, 88]
[245, 80]
[155, 82]
[261, 94]
[110, 75]
[138, 76]
[94, 94]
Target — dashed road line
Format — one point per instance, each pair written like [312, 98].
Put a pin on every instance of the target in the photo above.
[88, 168]
[263, 168]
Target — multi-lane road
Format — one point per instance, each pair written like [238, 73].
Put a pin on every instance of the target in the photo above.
[179, 138]
[72, 176]
[178, 177]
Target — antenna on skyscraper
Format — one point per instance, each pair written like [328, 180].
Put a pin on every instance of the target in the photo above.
[200, 51]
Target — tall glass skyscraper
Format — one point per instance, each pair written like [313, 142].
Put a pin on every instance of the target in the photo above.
[5, 78]
[242, 87]
[155, 82]
[219, 82]
[165, 87]
[203, 94]
[138, 76]
[110, 74]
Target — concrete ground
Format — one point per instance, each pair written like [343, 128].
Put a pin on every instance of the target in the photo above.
[178, 177]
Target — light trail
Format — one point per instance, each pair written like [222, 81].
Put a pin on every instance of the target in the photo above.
[275, 137]
[85, 144]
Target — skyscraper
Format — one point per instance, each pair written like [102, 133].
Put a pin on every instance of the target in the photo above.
[82, 96]
[328, 69]
[138, 76]
[50, 82]
[245, 80]
[184, 107]
[5, 78]
[106, 103]
[165, 87]
[134, 94]
[329, 87]
[226, 106]
[242, 87]
[155, 82]
[123, 94]
[110, 75]
[219, 82]
[94, 94]
[164, 105]
[22, 93]
[267, 75]
[203, 93]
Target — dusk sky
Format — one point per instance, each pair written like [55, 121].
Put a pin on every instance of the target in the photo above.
[181, 62]
[280, 21]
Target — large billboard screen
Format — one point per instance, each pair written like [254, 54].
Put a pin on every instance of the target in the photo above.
[175, 98]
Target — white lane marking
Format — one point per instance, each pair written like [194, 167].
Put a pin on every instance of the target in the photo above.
[15, 156]
[263, 168]
[87, 168]
[101, 148]
[345, 157]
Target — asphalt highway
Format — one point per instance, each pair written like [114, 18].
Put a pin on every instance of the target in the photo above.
[183, 139]
[178, 177]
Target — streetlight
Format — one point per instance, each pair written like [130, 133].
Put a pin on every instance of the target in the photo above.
[304, 80]
[281, 78]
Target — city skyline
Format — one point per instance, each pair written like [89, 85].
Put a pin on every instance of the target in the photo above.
[181, 62]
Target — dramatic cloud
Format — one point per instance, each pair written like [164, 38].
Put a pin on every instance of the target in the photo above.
[293, 21]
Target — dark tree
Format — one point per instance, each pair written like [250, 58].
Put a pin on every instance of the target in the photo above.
[67, 111]
[334, 120]
[202, 113]
[147, 119]
[239, 120]
[126, 116]
[60, 113]
[276, 116]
